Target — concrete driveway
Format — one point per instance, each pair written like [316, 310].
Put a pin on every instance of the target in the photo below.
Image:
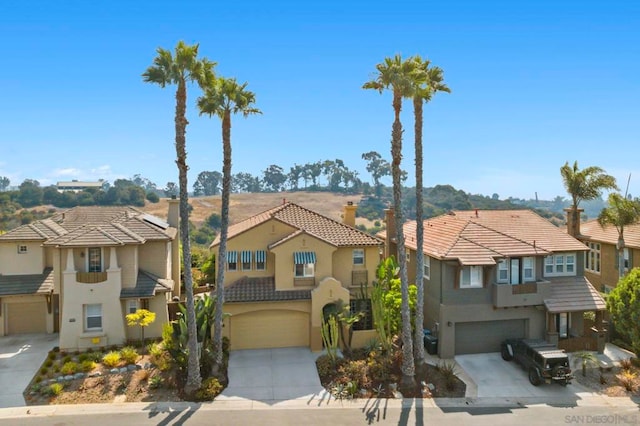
[20, 358]
[272, 375]
[497, 378]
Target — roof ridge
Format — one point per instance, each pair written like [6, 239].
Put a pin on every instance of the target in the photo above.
[128, 231]
[37, 231]
[509, 236]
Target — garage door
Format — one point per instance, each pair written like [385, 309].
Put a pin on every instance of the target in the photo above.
[269, 329]
[486, 336]
[28, 317]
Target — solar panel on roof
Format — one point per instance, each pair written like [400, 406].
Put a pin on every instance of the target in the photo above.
[155, 221]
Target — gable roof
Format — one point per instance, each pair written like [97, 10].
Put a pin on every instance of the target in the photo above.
[572, 294]
[93, 226]
[593, 231]
[262, 289]
[27, 284]
[147, 285]
[478, 237]
[308, 221]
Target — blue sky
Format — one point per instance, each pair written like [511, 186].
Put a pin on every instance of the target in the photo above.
[534, 84]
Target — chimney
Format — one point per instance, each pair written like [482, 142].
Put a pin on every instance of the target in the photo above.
[573, 221]
[390, 221]
[173, 216]
[349, 216]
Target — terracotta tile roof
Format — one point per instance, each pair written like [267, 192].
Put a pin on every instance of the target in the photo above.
[478, 237]
[94, 226]
[27, 284]
[574, 294]
[592, 231]
[302, 219]
[261, 290]
[147, 285]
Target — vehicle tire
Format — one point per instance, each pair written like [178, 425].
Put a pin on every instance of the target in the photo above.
[564, 382]
[534, 377]
[506, 353]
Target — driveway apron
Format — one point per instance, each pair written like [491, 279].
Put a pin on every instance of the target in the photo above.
[272, 375]
[20, 358]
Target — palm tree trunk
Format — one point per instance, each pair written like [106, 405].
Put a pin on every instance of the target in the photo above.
[222, 249]
[194, 380]
[408, 367]
[620, 253]
[419, 319]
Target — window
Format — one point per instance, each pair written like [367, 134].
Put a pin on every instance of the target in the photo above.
[426, 268]
[246, 260]
[560, 265]
[22, 249]
[232, 261]
[626, 258]
[408, 256]
[362, 306]
[503, 271]
[563, 322]
[93, 317]
[528, 267]
[592, 257]
[132, 306]
[358, 256]
[516, 270]
[471, 277]
[304, 264]
[94, 259]
[261, 257]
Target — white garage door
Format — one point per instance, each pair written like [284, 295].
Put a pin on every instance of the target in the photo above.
[28, 317]
[486, 336]
[269, 329]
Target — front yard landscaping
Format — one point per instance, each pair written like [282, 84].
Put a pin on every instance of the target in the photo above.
[617, 381]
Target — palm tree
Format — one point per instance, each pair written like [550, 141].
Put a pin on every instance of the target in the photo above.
[584, 359]
[224, 97]
[395, 73]
[585, 184]
[620, 212]
[180, 69]
[427, 81]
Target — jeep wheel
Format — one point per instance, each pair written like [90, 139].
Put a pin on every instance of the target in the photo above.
[563, 382]
[534, 377]
[506, 354]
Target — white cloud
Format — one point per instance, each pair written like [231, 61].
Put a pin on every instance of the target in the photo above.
[68, 172]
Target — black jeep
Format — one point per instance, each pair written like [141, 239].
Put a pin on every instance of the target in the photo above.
[543, 361]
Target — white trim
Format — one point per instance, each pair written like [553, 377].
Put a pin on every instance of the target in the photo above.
[88, 257]
[560, 265]
[475, 277]
[358, 256]
[426, 268]
[93, 306]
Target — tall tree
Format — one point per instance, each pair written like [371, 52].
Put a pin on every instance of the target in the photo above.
[427, 81]
[182, 68]
[395, 73]
[378, 167]
[620, 212]
[585, 184]
[274, 178]
[207, 183]
[224, 97]
[4, 183]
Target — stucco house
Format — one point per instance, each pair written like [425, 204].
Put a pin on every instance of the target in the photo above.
[601, 259]
[285, 267]
[81, 271]
[496, 274]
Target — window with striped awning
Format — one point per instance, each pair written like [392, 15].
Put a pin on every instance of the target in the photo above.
[304, 257]
[245, 256]
[261, 257]
[232, 260]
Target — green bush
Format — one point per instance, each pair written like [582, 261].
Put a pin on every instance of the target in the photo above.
[95, 356]
[69, 368]
[38, 379]
[210, 388]
[129, 354]
[52, 355]
[155, 382]
[87, 365]
[48, 363]
[449, 373]
[55, 389]
[356, 372]
[56, 368]
[83, 357]
[44, 371]
[112, 359]
[66, 359]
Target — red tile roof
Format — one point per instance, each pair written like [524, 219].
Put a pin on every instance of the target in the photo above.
[592, 231]
[477, 237]
[573, 294]
[261, 289]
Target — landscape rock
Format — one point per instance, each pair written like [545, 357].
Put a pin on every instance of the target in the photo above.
[114, 371]
[69, 377]
[132, 367]
[123, 370]
[78, 376]
[95, 374]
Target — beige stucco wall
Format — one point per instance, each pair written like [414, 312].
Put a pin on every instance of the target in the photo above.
[14, 263]
[157, 304]
[285, 268]
[343, 264]
[258, 238]
[128, 262]
[16, 300]
[153, 257]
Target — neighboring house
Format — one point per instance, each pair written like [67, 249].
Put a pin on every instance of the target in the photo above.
[82, 270]
[601, 261]
[492, 275]
[77, 186]
[286, 267]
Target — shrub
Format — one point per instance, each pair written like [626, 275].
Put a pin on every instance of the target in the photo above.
[129, 354]
[94, 356]
[449, 373]
[112, 359]
[87, 365]
[636, 362]
[69, 368]
[56, 349]
[83, 357]
[210, 388]
[325, 366]
[625, 364]
[55, 389]
[627, 379]
[56, 368]
[155, 381]
[44, 371]
[48, 363]
[38, 379]
[52, 355]
[356, 372]
[66, 359]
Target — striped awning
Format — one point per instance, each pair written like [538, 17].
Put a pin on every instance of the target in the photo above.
[246, 256]
[260, 256]
[304, 257]
[232, 256]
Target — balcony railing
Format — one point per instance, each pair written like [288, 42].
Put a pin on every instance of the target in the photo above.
[91, 277]
[526, 294]
[304, 282]
[359, 278]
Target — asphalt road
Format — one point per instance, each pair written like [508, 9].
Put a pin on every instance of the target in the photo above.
[372, 415]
